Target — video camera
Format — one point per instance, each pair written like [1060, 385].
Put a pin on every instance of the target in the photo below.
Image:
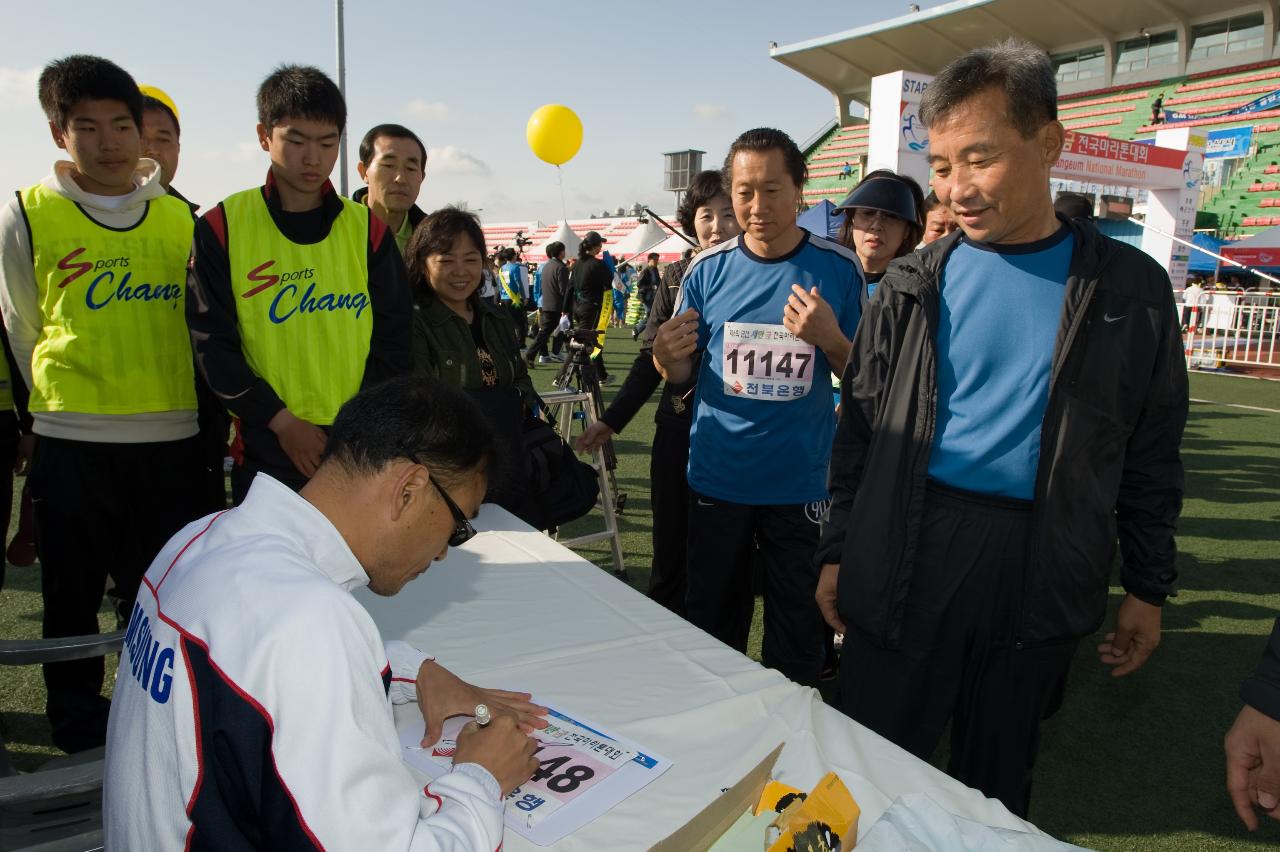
[522, 240]
[584, 338]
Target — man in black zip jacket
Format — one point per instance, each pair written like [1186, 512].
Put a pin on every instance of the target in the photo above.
[553, 302]
[1013, 404]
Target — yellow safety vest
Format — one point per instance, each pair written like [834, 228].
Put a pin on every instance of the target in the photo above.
[114, 336]
[305, 320]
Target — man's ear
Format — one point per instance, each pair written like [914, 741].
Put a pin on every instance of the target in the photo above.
[1053, 136]
[363, 171]
[59, 138]
[264, 137]
[410, 484]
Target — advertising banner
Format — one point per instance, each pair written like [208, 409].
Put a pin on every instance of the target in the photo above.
[1271, 100]
[1225, 144]
[1101, 159]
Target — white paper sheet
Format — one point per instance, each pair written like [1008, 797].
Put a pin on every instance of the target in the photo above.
[583, 772]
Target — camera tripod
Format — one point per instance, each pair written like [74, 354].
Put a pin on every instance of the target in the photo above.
[578, 396]
[579, 374]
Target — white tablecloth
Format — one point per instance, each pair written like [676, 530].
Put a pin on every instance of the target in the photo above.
[514, 609]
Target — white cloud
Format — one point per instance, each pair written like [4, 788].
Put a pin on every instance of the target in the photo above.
[710, 112]
[240, 152]
[428, 110]
[18, 88]
[451, 160]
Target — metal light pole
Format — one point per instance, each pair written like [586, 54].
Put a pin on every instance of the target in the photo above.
[342, 87]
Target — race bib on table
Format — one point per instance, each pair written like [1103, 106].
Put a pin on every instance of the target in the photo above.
[766, 362]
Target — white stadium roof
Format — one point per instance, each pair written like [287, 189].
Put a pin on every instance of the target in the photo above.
[925, 41]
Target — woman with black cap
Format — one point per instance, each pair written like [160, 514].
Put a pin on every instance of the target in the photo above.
[882, 222]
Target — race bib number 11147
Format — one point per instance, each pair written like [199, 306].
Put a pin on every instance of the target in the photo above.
[766, 362]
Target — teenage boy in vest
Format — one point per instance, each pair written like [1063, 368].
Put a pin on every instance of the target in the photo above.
[298, 295]
[94, 259]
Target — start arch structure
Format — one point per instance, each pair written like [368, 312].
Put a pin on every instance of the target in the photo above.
[1169, 168]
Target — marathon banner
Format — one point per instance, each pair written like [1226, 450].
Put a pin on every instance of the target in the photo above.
[1258, 258]
[1225, 144]
[1267, 101]
[1100, 159]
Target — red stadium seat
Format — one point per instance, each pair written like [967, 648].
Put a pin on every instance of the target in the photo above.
[1100, 122]
[1067, 103]
[1225, 78]
[1256, 187]
[1202, 122]
[1095, 112]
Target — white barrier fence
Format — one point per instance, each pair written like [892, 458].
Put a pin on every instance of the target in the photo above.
[1232, 328]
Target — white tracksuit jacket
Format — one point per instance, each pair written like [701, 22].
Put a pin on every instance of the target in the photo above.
[252, 706]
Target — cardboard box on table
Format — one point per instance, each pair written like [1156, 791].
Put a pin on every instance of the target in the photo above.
[709, 824]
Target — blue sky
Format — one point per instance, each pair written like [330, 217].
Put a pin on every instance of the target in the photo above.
[644, 77]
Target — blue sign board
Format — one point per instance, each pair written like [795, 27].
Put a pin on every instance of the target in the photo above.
[1234, 142]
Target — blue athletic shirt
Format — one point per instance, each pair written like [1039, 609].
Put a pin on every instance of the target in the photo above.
[763, 422]
[517, 276]
[1000, 311]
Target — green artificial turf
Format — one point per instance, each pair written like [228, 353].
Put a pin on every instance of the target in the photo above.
[1128, 764]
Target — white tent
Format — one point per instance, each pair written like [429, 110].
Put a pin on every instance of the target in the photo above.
[671, 249]
[1262, 249]
[563, 234]
[640, 240]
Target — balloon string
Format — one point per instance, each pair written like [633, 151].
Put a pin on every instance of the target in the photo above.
[564, 210]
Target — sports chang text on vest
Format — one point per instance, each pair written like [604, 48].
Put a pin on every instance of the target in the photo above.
[112, 281]
[297, 293]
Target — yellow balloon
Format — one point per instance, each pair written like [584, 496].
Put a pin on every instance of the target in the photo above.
[554, 133]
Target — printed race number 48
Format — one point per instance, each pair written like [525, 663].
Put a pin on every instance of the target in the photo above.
[565, 772]
[567, 780]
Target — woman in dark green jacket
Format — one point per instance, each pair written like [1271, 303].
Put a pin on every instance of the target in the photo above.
[465, 341]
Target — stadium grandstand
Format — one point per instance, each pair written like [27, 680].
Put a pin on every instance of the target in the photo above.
[1205, 57]
[1212, 65]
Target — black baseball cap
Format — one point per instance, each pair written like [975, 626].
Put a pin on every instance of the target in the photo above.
[885, 194]
[593, 238]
